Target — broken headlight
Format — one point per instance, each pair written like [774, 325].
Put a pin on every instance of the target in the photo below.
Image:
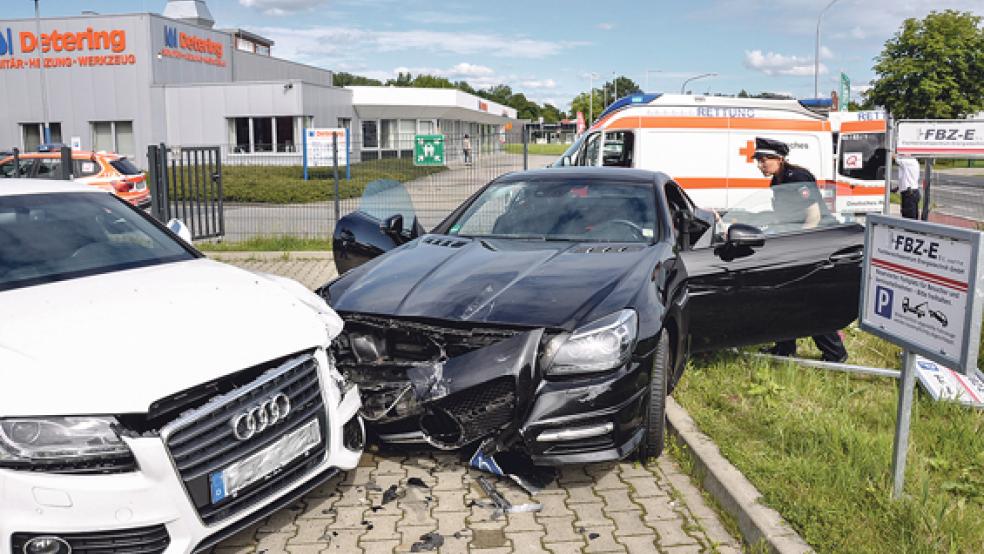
[598, 346]
[84, 441]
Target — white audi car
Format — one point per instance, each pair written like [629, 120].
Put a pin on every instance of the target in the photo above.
[153, 400]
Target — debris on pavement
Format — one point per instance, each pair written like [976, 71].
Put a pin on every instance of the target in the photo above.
[390, 494]
[501, 505]
[428, 542]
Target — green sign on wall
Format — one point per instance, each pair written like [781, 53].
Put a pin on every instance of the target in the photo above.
[428, 150]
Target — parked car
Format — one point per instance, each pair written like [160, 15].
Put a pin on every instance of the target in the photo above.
[553, 311]
[148, 405]
[111, 172]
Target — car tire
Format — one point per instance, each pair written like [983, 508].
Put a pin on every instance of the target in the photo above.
[654, 430]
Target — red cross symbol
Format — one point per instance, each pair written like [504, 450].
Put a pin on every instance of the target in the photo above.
[748, 151]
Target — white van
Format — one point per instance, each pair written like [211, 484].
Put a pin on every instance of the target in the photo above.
[706, 143]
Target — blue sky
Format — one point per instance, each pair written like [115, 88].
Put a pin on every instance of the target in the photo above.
[547, 49]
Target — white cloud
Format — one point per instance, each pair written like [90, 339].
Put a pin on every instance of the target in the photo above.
[539, 84]
[443, 18]
[605, 26]
[470, 70]
[281, 7]
[826, 53]
[323, 44]
[779, 64]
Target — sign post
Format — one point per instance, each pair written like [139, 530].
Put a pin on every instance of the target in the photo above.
[428, 150]
[920, 291]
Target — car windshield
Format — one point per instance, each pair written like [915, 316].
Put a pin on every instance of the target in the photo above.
[572, 209]
[53, 237]
[783, 208]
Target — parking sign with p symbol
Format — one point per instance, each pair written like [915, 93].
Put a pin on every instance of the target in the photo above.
[883, 302]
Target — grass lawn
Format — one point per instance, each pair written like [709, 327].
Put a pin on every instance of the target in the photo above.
[818, 445]
[286, 184]
[267, 244]
[552, 149]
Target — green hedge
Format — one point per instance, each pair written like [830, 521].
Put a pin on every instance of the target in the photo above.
[286, 184]
[552, 149]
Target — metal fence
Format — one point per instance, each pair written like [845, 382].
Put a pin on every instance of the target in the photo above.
[266, 195]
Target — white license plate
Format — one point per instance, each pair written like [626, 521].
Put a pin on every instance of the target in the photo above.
[239, 475]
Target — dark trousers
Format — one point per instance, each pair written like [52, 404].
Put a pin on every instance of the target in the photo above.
[830, 345]
[910, 203]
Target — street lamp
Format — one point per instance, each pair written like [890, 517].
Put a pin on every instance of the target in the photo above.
[816, 54]
[591, 78]
[648, 71]
[701, 76]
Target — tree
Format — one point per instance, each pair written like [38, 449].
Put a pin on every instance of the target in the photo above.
[342, 79]
[583, 100]
[620, 87]
[551, 114]
[932, 68]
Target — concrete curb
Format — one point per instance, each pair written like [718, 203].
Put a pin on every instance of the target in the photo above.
[733, 492]
[257, 255]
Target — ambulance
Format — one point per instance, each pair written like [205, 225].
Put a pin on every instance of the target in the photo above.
[706, 144]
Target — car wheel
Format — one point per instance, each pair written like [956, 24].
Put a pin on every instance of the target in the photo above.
[655, 418]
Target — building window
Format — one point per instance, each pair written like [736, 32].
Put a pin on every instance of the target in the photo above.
[33, 134]
[426, 127]
[264, 134]
[408, 128]
[241, 138]
[285, 134]
[113, 136]
[262, 49]
[387, 134]
[370, 134]
[245, 45]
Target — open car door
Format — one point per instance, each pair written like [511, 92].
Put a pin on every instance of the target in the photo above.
[759, 277]
[384, 220]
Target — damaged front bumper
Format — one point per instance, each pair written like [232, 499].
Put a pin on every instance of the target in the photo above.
[454, 386]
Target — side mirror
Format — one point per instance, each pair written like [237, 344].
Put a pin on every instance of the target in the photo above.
[179, 228]
[740, 234]
[739, 242]
[393, 226]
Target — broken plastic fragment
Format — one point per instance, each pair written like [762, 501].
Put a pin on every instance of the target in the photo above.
[390, 494]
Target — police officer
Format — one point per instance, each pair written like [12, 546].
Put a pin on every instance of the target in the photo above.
[797, 197]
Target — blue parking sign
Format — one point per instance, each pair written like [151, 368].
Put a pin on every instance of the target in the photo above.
[883, 301]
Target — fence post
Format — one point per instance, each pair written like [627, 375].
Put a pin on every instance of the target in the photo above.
[66, 164]
[157, 164]
[334, 157]
[526, 148]
[17, 169]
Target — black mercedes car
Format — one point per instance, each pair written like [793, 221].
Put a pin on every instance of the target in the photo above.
[552, 312]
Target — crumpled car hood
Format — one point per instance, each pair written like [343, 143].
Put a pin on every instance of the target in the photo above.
[516, 282]
[116, 342]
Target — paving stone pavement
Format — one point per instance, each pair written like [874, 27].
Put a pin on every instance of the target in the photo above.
[597, 508]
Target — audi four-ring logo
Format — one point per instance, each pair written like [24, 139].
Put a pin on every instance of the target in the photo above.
[258, 418]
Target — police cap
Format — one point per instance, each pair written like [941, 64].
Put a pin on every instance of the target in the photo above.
[765, 148]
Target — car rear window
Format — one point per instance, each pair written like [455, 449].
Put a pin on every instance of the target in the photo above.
[55, 237]
[125, 167]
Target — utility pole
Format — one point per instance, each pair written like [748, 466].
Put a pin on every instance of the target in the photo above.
[591, 78]
[44, 88]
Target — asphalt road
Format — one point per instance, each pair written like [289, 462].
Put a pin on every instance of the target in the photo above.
[958, 194]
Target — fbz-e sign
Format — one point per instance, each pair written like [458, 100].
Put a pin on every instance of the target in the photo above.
[918, 288]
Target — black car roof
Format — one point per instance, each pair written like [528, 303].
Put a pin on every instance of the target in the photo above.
[622, 174]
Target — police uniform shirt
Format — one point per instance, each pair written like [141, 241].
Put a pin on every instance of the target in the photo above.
[799, 192]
